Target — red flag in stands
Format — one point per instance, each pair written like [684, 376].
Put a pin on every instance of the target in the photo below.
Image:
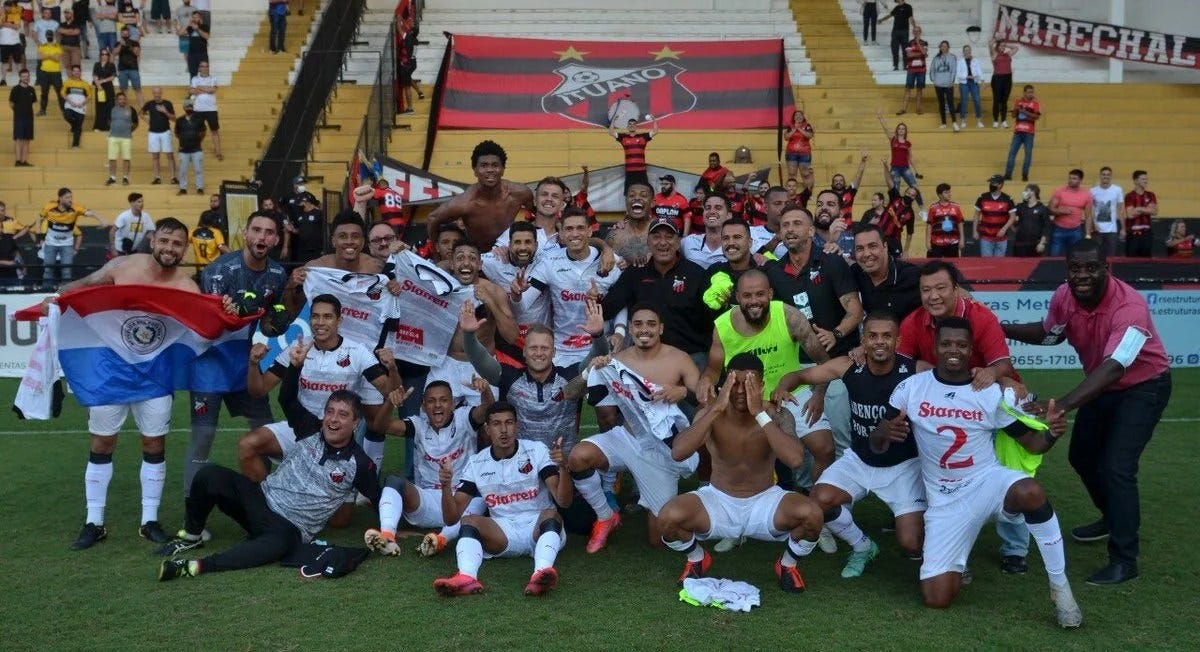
[523, 83]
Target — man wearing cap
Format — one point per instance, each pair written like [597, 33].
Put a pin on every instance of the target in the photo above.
[308, 229]
[668, 203]
[190, 131]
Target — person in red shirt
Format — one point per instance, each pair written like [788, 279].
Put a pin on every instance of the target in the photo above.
[1071, 206]
[1026, 112]
[944, 231]
[1120, 401]
[898, 215]
[837, 183]
[1141, 206]
[580, 201]
[391, 207]
[902, 165]
[694, 221]
[713, 177]
[799, 137]
[915, 53]
[754, 205]
[634, 143]
[1002, 53]
[1180, 244]
[668, 204]
[995, 214]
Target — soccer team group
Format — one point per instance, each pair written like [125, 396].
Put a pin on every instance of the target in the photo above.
[823, 376]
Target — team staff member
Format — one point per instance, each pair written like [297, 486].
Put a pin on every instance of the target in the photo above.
[884, 283]
[1120, 401]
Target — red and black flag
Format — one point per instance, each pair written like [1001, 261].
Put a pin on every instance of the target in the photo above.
[523, 83]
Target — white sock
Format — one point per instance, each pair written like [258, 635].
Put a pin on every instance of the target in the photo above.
[391, 506]
[608, 479]
[694, 552]
[545, 550]
[844, 528]
[95, 489]
[470, 556]
[153, 476]
[450, 532]
[591, 490]
[795, 550]
[374, 450]
[1050, 542]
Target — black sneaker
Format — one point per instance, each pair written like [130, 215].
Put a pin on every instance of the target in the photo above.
[156, 181]
[111, 181]
[170, 569]
[90, 535]
[124, 181]
[175, 181]
[199, 191]
[1097, 531]
[182, 191]
[152, 531]
[181, 543]
[1013, 565]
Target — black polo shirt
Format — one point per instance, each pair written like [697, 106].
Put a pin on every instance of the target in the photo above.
[898, 294]
[815, 291]
[679, 294]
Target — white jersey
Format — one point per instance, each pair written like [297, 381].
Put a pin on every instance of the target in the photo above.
[694, 249]
[568, 282]
[133, 227]
[453, 444]
[954, 427]
[362, 298]
[760, 236]
[349, 366]
[425, 311]
[511, 487]
[647, 419]
[534, 307]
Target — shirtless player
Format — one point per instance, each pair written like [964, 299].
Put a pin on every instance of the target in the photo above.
[742, 499]
[630, 237]
[488, 207]
[348, 237]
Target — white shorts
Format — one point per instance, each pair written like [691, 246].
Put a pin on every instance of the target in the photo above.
[161, 142]
[458, 374]
[650, 463]
[952, 526]
[521, 537]
[730, 517]
[152, 416]
[797, 409]
[429, 513]
[899, 486]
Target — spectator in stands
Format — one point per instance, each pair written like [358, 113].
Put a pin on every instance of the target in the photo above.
[120, 139]
[1071, 206]
[407, 54]
[104, 72]
[130, 16]
[130, 227]
[828, 226]
[901, 16]
[1180, 243]
[942, 71]
[1141, 206]
[12, 54]
[898, 216]
[197, 49]
[713, 177]
[915, 53]
[21, 99]
[27, 14]
[61, 236]
[970, 74]
[799, 135]
[189, 129]
[215, 216]
[1108, 213]
[671, 204]
[160, 114]
[1002, 53]
[160, 16]
[995, 214]
[76, 91]
[204, 101]
[1033, 224]
[49, 72]
[1026, 113]
[205, 9]
[277, 11]
[634, 143]
[943, 233]
[46, 26]
[870, 17]
[105, 17]
[874, 214]
[182, 18]
[902, 164]
[310, 230]
[11, 265]
[70, 40]
[82, 16]
[129, 54]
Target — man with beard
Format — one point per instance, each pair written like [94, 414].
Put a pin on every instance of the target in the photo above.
[629, 237]
[643, 383]
[1120, 400]
[847, 193]
[832, 230]
[571, 276]
[488, 207]
[742, 500]
[502, 266]
[153, 416]
[704, 248]
[735, 243]
[549, 199]
[382, 241]
[668, 203]
[894, 476]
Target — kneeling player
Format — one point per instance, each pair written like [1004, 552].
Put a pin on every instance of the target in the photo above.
[893, 476]
[517, 479]
[954, 426]
[441, 435]
[743, 499]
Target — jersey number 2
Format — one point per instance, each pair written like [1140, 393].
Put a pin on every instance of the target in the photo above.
[960, 438]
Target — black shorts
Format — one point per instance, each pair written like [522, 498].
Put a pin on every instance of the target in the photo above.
[13, 53]
[22, 129]
[210, 119]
